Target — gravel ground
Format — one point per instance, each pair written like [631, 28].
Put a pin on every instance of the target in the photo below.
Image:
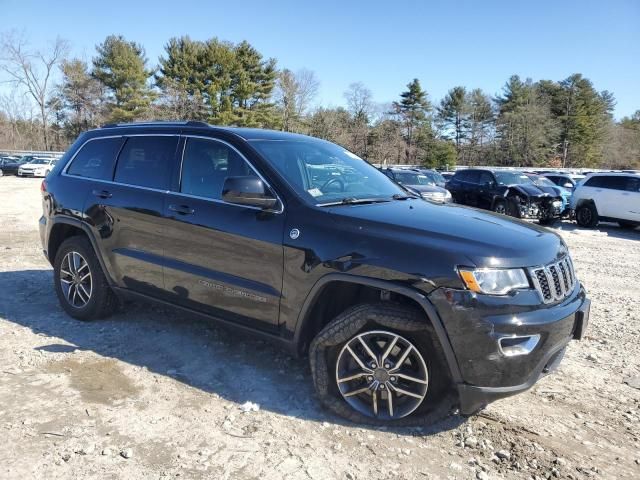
[151, 393]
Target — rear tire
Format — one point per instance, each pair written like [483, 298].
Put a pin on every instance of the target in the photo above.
[394, 320]
[80, 283]
[628, 225]
[587, 215]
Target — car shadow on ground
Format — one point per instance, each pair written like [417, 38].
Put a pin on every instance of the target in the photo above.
[196, 352]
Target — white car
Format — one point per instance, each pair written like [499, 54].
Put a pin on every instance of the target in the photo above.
[613, 197]
[38, 167]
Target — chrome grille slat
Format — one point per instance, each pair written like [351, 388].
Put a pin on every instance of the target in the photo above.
[555, 281]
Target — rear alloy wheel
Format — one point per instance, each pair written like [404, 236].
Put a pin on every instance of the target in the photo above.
[382, 375]
[75, 279]
[587, 216]
[82, 288]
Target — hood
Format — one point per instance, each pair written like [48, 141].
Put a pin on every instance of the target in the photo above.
[531, 190]
[467, 236]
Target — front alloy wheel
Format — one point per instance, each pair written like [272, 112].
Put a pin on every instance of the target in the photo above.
[382, 375]
[76, 280]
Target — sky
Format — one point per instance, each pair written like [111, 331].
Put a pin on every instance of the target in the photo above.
[384, 44]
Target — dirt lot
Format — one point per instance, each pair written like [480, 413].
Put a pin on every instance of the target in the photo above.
[150, 393]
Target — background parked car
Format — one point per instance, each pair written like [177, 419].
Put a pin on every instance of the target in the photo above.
[565, 180]
[551, 188]
[609, 197]
[37, 167]
[507, 192]
[421, 183]
[10, 165]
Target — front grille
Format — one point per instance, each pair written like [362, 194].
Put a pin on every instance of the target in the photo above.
[554, 281]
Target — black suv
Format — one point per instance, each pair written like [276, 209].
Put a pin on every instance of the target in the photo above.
[505, 191]
[406, 308]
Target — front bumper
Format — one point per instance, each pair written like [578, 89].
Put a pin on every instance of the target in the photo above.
[476, 323]
[30, 173]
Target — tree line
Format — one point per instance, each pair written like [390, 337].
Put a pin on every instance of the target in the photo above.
[543, 123]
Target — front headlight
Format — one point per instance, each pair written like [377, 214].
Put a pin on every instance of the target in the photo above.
[494, 281]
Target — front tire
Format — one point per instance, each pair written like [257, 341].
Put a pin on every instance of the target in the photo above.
[80, 283]
[587, 215]
[381, 364]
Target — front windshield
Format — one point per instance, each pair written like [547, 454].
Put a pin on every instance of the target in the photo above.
[323, 172]
[412, 178]
[40, 161]
[543, 182]
[511, 178]
[435, 177]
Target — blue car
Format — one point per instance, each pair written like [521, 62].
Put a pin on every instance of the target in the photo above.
[548, 186]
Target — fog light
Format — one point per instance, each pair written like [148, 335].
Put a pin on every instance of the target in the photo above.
[518, 345]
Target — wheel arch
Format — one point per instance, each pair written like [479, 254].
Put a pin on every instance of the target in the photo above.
[65, 227]
[311, 319]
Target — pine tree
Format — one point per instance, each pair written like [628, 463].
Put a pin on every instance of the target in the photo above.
[453, 113]
[413, 108]
[121, 67]
[80, 98]
[526, 129]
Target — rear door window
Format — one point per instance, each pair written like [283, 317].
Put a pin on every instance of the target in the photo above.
[146, 161]
[96, 158]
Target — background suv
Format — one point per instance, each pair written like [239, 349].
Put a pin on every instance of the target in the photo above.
[506, 192]
[429, 184]
[404, 307]
[611, 197]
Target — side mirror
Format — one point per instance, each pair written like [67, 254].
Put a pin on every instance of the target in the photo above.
[250, 191]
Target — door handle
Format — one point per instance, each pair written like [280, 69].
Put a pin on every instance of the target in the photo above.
[102, 193]
[182, 209]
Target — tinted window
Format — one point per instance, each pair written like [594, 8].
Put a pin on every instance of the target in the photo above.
[633, 184]
[205, 166]
[146, 161]
[95, 159]
[472, 176]
[485, 178]
[611, 182]
[462, 175]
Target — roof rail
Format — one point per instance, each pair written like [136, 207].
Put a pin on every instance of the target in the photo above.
[189, 123]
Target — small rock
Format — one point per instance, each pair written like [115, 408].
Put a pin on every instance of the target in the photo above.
[471, 442]
[66, 456]
[106, 451]
[592, 357]
[633, 382]
[503, 454]
[482, 476]
[126, 453]
[249, 407]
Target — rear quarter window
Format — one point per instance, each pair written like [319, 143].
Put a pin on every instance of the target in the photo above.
[95, 158]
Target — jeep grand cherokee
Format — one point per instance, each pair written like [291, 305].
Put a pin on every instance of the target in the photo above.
[406, 308]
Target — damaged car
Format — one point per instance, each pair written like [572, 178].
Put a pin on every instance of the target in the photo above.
[505, 191]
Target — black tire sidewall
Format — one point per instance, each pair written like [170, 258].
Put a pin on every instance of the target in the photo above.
[593, 218]
[436, 405]
[93, 308]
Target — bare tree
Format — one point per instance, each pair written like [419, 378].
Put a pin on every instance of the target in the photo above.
[31, 70]
[293, 94]
[359, 100]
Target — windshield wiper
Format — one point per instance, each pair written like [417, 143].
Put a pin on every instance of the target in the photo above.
[399, 196]
[353, 201]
